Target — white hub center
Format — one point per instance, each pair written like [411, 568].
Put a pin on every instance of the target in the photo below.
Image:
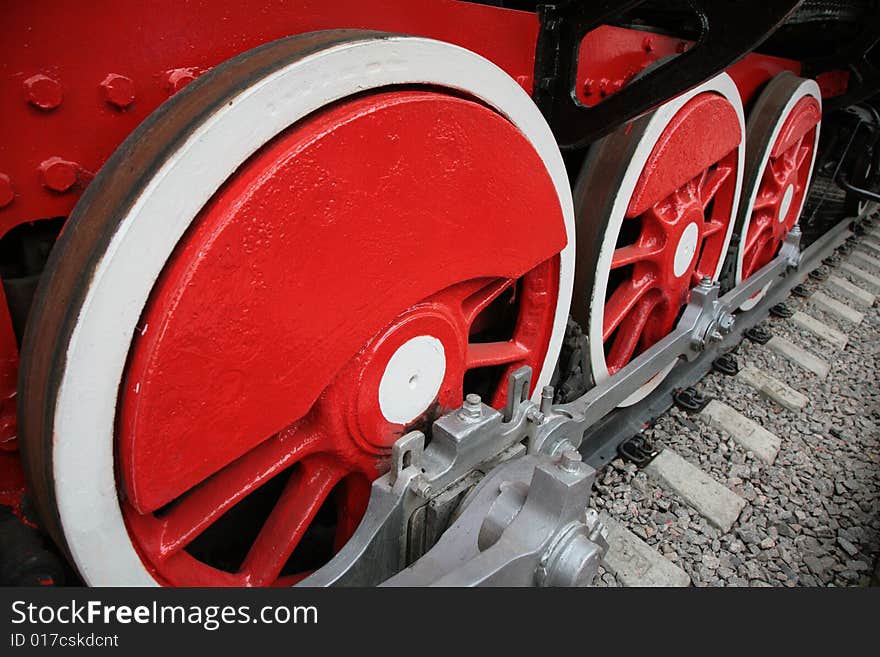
[412, 379]
[687, 247]
[785, 204]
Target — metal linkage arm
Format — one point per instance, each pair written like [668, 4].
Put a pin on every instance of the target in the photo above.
[523, 525]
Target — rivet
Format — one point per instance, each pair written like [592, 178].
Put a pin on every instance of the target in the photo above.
[43, 92]
[588, 87]
[118, 90]
[7, 191]
[647, 44]
[681, 47]
[178, 78]
[58, 174]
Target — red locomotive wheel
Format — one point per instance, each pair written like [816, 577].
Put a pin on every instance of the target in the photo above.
[782, 137]
[654, 206]
[280, 286]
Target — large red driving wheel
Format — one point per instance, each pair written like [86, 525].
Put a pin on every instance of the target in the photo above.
[654, 205]
[348, 282]
[782, 137]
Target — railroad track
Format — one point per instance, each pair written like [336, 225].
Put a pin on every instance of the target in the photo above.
[776, 482]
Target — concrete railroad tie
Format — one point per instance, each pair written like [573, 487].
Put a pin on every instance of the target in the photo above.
[747, 433]
[799, 356]
[820, 329]
[865, 259]
[854, 293]
[836, 309]
[635, 562]
[773, 389]
[718, 504]
[872, 246]
[863, 276]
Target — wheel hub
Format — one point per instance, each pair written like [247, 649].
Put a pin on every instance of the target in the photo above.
[686, 249]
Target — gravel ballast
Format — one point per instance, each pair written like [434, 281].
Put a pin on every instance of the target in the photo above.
[813, 517]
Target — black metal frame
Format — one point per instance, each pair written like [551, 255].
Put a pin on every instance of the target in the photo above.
[730, 29]
[864, 81]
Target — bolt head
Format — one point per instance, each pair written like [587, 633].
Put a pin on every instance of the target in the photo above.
[570, 460]
[43, 92]
[118, 90]
[57, 174]
[7, 191]
[472, 408]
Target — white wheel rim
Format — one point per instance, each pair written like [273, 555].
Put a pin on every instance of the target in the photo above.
[658, 121]
[83, 456]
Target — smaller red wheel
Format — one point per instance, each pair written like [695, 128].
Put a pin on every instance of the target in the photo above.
[782, 136]
[655, 204]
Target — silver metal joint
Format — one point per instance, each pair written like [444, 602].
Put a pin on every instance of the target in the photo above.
[570, 460]
[535, 416]
[472, 409]
[547, 400]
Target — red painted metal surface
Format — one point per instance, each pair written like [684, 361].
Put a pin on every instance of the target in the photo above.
[788, 167]
[688, 180]
[77, 77]
[8, 378]
[265, 339]
[833, 83]
[610, 57]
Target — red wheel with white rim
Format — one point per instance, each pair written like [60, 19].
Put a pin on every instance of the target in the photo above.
[278, 286]
[654, 209]
[782, 137]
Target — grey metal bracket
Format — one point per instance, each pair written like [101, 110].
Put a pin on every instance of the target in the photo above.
[525, 524]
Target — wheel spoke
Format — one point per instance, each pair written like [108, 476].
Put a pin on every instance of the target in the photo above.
[353, 500]
[712, 227]
[477, 302]
[486, 354]
[309, 486]
[751, 257]
[203, 505]
[622, 301]
[755, 233]
[802, 153]
[766, 198]
[793, 157]
[629, 255]
[468, 299]
[712, 183]
[628, 336]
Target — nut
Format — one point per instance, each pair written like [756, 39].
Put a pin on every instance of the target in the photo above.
[43, 92]
[118, 90]
[58, 174]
